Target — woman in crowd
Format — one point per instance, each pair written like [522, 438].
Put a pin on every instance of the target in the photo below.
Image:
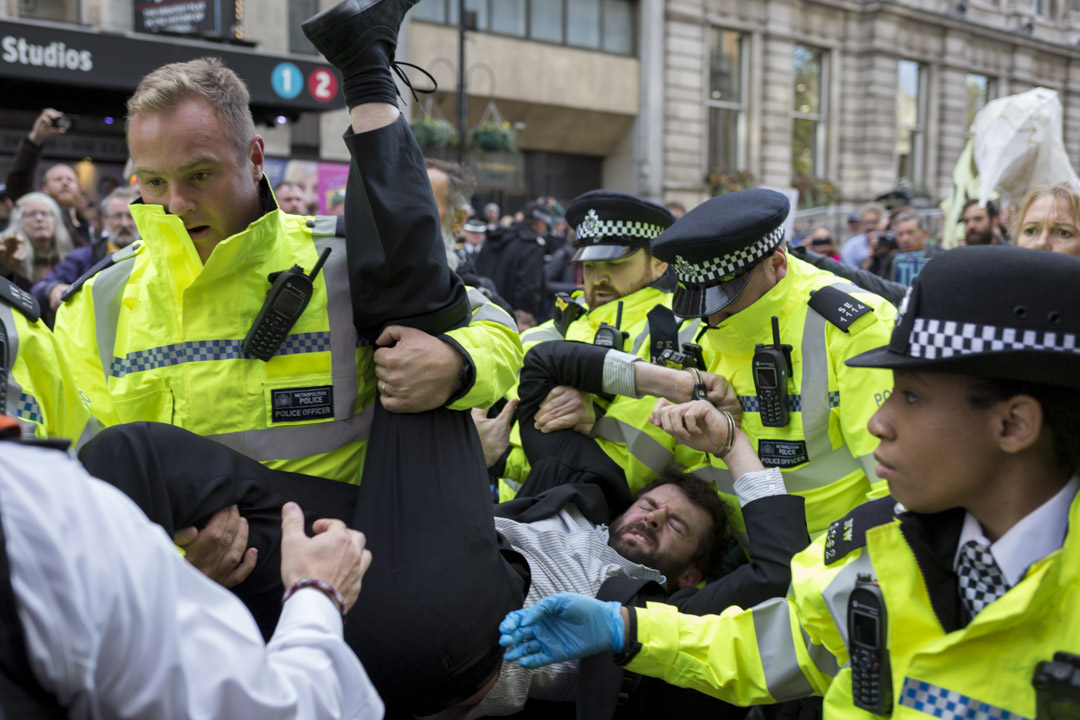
[1049, 219]
[36, 240]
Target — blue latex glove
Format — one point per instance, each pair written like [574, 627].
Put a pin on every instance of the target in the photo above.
[560, 627]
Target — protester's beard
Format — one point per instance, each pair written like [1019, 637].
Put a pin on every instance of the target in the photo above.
[649, 557]
[979, 238]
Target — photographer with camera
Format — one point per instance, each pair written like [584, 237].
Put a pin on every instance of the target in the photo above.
[61, 183]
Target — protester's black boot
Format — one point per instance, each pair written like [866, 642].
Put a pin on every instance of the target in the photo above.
[359, 37]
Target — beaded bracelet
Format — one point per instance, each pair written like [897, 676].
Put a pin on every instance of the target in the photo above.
[322, 586]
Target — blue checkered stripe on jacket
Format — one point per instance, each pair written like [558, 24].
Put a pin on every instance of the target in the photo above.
[208, 350]
[949, 704]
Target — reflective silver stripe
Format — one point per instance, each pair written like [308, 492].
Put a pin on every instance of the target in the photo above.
[719, 477]
[481, 308]
[689, 331]
[814, 387]
[13, 388]
[822, 470]
[339, 316]
[108, 292]
[823, 660]
[641, 338]
[638, 443]
[838, 591]
[776, 647]
[93, 427]
[541, 335]
[288, 443]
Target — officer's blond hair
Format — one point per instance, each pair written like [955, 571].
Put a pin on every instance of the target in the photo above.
[165, 88]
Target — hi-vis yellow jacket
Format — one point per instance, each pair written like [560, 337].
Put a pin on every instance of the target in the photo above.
[799, 646]
[157, 336]
[617, 431]
[825, 450]
[41, 394]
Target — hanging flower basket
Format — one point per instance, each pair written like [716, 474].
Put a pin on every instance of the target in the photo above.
[493, 134]
[433, 133]
[725, 181]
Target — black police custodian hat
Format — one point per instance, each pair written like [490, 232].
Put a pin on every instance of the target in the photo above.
[995, 312]
[713, 248]
[610, 225]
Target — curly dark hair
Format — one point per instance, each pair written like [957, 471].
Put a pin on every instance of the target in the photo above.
[709, 556]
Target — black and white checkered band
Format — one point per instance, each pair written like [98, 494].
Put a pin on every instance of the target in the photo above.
[598, 231]
[732, 264]
[939, 339]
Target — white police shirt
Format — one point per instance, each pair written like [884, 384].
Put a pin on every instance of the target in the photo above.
[118, 625]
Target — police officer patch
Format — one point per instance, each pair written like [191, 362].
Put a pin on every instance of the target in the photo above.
[299, 404]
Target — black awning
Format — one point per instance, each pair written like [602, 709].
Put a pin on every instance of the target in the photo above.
[94, 71]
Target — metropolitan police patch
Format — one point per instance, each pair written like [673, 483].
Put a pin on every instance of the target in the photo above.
[299, 404]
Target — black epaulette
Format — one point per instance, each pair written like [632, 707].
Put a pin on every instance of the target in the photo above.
[838, 307]
[105, 262]
[19, 299]
[849, 532]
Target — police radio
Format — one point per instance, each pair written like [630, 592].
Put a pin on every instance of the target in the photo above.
[871, 677]
[772, 368]
[1057, 687]
[611, 336]
[285, 302]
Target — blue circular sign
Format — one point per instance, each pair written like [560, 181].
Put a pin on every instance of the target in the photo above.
[287, 80]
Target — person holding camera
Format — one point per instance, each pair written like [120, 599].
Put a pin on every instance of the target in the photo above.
[61, 183]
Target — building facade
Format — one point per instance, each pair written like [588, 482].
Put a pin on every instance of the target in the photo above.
[646, 96]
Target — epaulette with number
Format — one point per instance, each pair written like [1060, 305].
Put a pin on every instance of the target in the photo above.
[838, 307]
[108, 261]
[19, 299]
[849, 532]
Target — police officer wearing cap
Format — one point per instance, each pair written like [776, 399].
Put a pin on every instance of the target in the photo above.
[625, 287]
[803, 409]
[957, 596]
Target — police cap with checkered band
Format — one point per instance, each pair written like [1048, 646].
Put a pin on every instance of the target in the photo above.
[609, 225]
[713, 248]
[995, 312]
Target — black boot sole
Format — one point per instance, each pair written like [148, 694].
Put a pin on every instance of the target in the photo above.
[344, 31]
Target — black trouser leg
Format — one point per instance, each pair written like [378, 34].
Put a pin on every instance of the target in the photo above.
[397, 261]
[180, 479]
[426, 623]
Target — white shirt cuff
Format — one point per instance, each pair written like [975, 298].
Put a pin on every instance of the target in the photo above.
[761, 483]
[619, 373]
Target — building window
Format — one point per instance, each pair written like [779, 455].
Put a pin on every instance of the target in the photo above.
[59, 10]
[979, 92]
[608, 25]
[726, 101]
[808, 115]
[1041, 8]
[299, 11]
[909, 122]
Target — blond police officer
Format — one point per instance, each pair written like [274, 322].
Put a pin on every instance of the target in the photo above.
[158, 333]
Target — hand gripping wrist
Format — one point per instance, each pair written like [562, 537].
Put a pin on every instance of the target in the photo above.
[322, 586]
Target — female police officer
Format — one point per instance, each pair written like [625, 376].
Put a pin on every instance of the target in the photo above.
[953, 597]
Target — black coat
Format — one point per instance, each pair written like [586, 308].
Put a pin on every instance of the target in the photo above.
[513, 258]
